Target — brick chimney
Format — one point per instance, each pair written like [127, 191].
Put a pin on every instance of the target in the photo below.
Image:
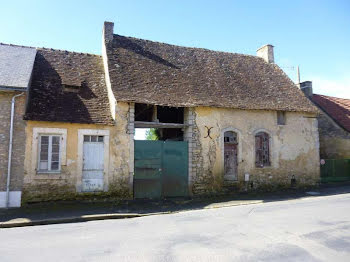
[266, 52]
[306, 87]
[108, 31]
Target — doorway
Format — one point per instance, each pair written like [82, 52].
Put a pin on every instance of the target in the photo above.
[93, 163]
[230, 155]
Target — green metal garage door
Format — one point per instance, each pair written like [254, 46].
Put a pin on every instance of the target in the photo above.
[161, 169]
[335, 170]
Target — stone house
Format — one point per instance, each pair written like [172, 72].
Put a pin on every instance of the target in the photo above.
[333, 123]
[16, 65]
[224, 121]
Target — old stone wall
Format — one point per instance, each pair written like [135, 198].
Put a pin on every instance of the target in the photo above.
[294, 149]
[18, 140]
[334, 140]
[42, 187]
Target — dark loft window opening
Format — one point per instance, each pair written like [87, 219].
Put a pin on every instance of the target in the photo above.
[170, 114]
[143, 112]
[262, 149]
[161, 114]
[154, 122]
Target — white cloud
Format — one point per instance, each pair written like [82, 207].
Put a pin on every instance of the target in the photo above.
[331, 87]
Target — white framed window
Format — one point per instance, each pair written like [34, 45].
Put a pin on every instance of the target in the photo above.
[49, 153]
[48, 150]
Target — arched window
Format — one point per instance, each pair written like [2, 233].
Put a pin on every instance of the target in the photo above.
[262, 149]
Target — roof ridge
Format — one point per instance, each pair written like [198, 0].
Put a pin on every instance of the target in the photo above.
[63, 50]
[48, 48]
[32, 47]
[188, 47]
[333, 97]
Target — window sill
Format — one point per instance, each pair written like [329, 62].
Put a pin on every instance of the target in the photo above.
[263, 167]
[50, 175]
[48, 172]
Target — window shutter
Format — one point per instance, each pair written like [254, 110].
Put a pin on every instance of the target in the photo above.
[262, 149]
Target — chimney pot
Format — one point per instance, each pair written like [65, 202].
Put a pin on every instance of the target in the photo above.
[266, 52]
[108, 31]
[306, 87]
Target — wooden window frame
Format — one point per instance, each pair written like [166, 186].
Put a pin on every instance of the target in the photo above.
[49, 153]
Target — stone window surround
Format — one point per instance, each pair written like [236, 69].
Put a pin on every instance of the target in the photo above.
[37, 131]
[49, 160]
[96, 132]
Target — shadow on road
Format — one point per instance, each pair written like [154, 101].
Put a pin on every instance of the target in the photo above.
[66, 209]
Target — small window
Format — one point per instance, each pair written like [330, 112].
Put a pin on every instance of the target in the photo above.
[262, 149]
[230, 137]
[281, 118]
[49, 153]
[88, 138]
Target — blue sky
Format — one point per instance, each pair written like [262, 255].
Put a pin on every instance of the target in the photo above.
[312, 34]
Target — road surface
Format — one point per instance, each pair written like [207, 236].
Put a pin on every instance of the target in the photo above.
[312, 229]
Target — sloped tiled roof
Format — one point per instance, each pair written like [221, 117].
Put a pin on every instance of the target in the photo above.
[16, 65]
[156, 73]
[336, 108]
[49, 102]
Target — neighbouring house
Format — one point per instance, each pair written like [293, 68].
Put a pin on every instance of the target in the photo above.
[73, 144]
[223, 122]
[16, 65]
[333, 123]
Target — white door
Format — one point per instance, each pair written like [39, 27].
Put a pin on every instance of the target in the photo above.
[93, 163]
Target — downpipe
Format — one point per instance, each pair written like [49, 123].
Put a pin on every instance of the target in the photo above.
[10, 151]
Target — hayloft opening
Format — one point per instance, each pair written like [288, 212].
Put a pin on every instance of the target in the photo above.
[153, 122]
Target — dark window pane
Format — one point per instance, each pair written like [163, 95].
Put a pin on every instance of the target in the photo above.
[45, 140]
[86, 138]
[55, 140]
[55, 148]
[230, 137]
[93, 138]
[100, 139]
[43, 156]
[55, 157]
[54, 165]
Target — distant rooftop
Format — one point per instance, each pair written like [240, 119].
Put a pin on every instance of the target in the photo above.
[16, 66]
[336, 108]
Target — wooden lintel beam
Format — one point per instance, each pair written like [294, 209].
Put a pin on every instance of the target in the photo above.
[141, 124]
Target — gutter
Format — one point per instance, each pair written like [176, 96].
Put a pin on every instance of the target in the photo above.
[10, 150]
[12, 88]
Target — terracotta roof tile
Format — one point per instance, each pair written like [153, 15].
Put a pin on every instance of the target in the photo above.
[156, 73]
[336, 108]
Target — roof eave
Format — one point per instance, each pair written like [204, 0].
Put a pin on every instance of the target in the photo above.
[13, 88]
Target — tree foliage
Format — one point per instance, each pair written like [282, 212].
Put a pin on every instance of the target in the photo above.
[151, 134]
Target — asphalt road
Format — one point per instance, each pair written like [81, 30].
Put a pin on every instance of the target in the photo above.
[312, 229]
